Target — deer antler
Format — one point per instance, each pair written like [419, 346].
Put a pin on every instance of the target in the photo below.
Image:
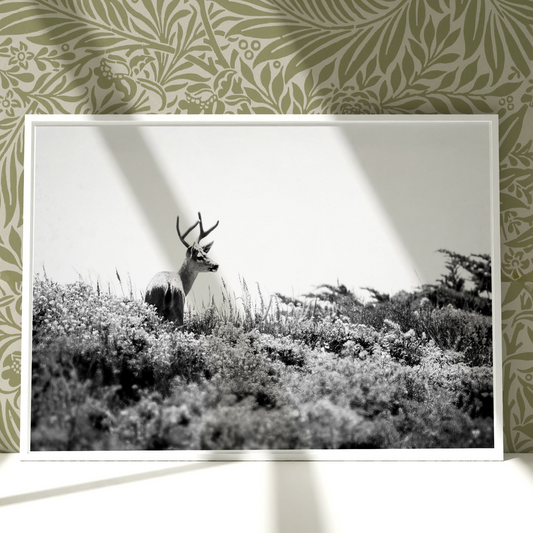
[182, 237]
[202, 232]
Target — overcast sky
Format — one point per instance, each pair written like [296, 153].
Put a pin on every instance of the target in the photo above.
[364, 204]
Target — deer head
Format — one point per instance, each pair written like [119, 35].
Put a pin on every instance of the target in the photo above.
[197, 253]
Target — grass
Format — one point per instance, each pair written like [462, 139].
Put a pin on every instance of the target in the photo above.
[320, 372]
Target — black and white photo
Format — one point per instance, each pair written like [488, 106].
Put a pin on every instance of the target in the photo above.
[289, 287]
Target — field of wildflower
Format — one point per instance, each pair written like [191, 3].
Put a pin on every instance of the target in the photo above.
[326, 371]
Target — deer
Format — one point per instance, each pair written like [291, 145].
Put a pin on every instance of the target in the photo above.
[167, 290]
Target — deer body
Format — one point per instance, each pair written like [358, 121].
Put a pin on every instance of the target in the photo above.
[167, 290]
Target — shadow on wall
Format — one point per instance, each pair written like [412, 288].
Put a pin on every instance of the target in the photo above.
[149, 185]
[152, 190]
[433, 182]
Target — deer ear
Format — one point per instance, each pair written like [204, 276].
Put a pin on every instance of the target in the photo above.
[190, 251]
[207, 247]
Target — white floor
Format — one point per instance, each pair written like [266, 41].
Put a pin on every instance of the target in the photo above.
[267, 497]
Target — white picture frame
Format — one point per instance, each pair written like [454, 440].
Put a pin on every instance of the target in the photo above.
[224, 145]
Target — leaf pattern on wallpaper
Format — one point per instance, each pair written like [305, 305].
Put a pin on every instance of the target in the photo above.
[276, 56]
[503, 29]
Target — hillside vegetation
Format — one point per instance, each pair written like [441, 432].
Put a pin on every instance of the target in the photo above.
[413, 370]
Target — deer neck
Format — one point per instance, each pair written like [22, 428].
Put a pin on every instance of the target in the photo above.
[187, 274]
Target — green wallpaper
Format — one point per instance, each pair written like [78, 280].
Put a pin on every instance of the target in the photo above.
[276, 56]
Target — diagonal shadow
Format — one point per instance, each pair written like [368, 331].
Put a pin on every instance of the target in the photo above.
[104, 483]
[149, 184]
[396, 179]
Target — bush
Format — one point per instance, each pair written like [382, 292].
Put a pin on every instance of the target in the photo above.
[240, 427]
[336, 427]
[107, 373]
[461, 331]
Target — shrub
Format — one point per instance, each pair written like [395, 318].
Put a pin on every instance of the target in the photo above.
[241, 373]
[109, 374]
[285, 349]
[440, 424]
[336, 427]
[156, 424]
[239, 427]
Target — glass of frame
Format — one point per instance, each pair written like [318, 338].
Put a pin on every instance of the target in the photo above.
[349, 308]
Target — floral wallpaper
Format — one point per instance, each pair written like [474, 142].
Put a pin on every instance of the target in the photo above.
[276, 56]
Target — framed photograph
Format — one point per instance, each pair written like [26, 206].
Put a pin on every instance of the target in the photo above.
[261, 288]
